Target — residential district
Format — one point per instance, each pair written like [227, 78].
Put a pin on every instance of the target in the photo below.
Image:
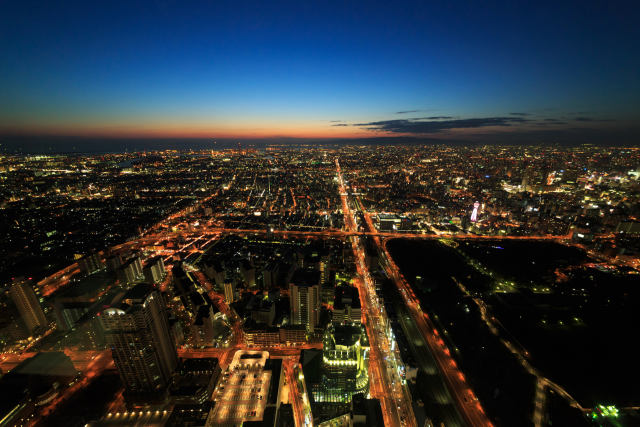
[292, 285]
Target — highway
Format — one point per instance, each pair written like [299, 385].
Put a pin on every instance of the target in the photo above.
[445, 408]
[385, 382]
[329, 233]
[466, 401]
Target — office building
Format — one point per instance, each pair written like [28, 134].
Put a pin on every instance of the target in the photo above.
[131, 271]
[304, 298]
[264, 312]
[137, 330]
[230, 292]
[28, 305]
[346, 306]
[113, 262]
[154, 271]
[68, 313]
[345, 355]
[194, 381]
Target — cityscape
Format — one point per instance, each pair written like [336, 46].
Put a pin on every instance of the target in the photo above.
[354, 283]
[332, 215]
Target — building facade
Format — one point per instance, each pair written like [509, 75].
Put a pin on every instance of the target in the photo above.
[28, 305]
[137, 330]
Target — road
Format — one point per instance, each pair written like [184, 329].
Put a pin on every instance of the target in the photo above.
[384, 379]
[386, 383]
[332, 233]
[80, 358]
[542, 382]
[466, 401]
[62, 278]
[301, 409]
[445, 409]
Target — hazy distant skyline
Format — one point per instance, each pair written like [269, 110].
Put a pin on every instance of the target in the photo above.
[318, 70]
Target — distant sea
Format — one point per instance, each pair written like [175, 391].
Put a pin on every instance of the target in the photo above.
[51, 145]
[12, 144]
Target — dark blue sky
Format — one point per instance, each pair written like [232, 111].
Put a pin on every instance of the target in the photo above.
[321, 69]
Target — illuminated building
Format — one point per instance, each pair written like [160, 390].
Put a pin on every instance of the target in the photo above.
[261, 337]
[293, 334]
[346, 306]
[345, 354]
[361, 412]
[229, 292]
[28, 305]
[137, 330]
[388, 222]
[249, 390]
[324, 267]
[154, 271]
[131, 271]
[304, 298]
[474, 213]
[134, 418]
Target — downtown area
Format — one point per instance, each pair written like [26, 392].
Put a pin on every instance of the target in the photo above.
[321, 285]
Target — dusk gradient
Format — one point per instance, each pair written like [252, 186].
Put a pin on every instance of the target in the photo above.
[321, 70]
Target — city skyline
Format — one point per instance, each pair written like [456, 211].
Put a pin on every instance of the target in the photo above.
[315, 72]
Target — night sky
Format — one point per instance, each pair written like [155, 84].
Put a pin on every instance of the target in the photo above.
[474, 71]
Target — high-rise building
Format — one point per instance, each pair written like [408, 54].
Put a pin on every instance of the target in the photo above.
[264, 312]
[131, 271]
[304, 298]
[474, 213]
[324, 266]
[346, 306]
[229, 291]
[202, 330]
[90, 263]
[137, 330]
[28, 305]
[154, 271]
[345, 355]
[248, 272]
